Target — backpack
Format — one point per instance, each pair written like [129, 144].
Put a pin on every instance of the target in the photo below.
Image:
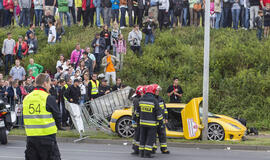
[178, 5]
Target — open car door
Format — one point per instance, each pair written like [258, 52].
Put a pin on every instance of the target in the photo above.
[191, 119]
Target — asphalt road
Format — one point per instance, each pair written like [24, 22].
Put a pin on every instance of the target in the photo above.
[69, 151]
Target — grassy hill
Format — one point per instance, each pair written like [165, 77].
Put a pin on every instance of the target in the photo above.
[239, 66]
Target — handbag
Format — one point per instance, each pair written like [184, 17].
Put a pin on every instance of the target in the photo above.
[197, 7]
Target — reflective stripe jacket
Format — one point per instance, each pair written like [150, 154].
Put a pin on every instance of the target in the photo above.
[38, 121]
[149, 111]
[163, 107]
[135, 109]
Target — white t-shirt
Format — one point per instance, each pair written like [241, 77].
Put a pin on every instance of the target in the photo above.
[52, 33]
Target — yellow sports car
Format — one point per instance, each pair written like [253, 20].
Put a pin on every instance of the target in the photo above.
[184, 120]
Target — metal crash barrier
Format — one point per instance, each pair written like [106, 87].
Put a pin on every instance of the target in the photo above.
[96, 114]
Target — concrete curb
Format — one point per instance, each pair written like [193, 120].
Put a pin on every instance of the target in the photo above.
[170, 144]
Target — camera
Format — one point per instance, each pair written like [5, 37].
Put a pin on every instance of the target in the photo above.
[135, 42]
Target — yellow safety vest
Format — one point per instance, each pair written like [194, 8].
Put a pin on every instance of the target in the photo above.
[94, 87]
[37, 120]
[66, 86]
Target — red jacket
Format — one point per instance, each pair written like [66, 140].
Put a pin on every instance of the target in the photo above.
[8, 5]
[24, 48]
[84, 4]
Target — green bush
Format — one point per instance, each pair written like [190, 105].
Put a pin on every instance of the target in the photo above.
[239, 66]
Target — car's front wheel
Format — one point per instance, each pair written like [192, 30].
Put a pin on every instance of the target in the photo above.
[124, 127]
[215, 132]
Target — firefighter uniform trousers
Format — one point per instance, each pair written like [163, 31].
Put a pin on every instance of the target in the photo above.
[136, 125]
[147, 138]
[161, 132]
[161, 129]
[136, 139]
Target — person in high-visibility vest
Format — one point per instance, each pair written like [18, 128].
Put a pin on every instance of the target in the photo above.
[93, 86]
[42, 118]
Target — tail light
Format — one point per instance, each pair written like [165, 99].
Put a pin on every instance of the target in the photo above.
[2, 113]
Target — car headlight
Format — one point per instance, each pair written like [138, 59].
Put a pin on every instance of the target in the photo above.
[234, 126]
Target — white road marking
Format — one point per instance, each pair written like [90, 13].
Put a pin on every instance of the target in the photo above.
[11, 157]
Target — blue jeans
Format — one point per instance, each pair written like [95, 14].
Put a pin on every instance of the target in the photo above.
[99, 12]
[218, 17]
[150, 37]
[123, 17]
[115, 15]
[259, 33]
[8, 59]
[247, 10]
[235, 17]
[25, 17]
[46, 31]
[38, 14]
[68, 17]
[7, 17]
[171, 17]
[185, 12]
[226, 17]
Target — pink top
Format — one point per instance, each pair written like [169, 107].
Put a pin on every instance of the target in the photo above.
[121, 46]
[18, 10]
[212, 8]
[75, 55]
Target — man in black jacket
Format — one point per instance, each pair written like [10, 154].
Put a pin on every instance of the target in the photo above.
[73, 93]
[118, 85]
[61, 101]
[175, 92]
[88, 62]
[104, 88]
[53, 89]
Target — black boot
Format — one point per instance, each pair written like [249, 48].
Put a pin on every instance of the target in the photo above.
[165, 151]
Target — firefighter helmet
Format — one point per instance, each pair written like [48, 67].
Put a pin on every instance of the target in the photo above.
[139, 90]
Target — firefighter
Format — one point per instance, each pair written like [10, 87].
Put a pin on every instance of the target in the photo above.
[161, 129]
[150, 115]
[41, 118]
[135, 120]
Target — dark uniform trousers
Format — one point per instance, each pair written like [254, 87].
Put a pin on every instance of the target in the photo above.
[41, 149]
[136, 139]
[147, 138]
[161, 132]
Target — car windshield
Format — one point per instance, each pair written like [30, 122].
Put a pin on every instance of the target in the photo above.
[209, 113]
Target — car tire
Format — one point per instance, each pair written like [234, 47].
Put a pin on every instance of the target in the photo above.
[215, 132]
[124, 127]
[3, 136]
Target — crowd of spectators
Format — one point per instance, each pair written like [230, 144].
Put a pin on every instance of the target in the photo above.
[167, 13]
